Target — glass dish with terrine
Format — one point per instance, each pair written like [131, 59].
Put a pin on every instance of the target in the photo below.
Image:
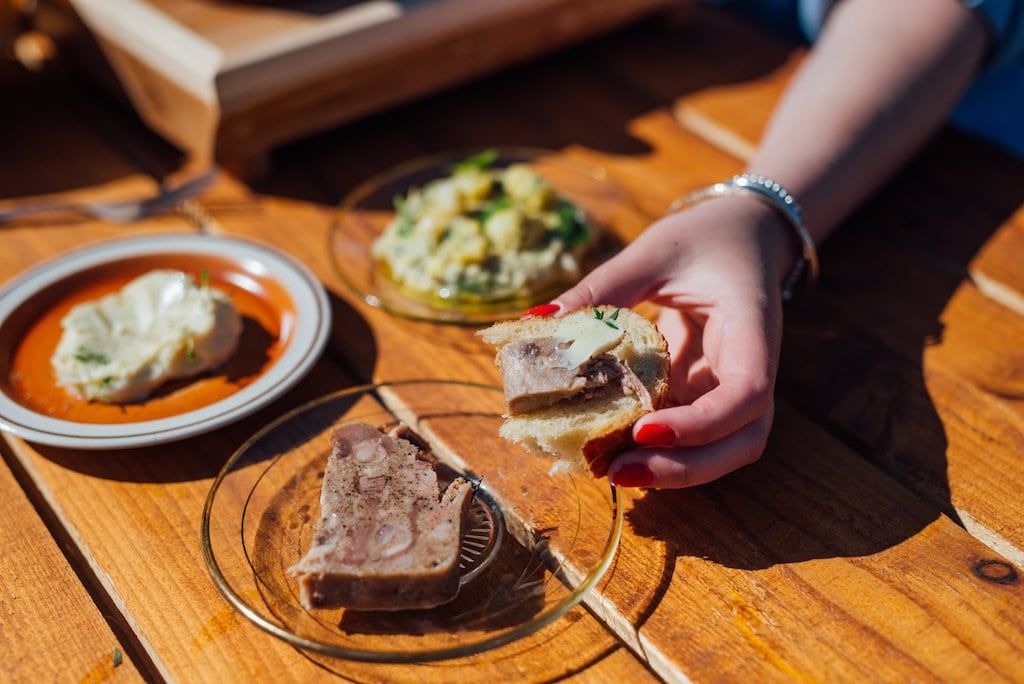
[530, 545]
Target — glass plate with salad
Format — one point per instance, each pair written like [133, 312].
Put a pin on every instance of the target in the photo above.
[478, 237]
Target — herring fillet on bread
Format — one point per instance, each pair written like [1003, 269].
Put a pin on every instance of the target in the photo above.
[574, 385]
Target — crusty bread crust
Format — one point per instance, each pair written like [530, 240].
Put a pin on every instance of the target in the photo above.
[587, 435]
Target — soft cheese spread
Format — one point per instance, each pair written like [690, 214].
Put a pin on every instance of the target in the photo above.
[159, 327]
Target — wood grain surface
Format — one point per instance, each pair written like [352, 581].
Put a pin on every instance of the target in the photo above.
[131, 511]
[837, 556]
[810, 470]
[52, 630]
[996, 268]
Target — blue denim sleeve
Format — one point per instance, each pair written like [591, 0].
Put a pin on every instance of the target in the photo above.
[1004, 18]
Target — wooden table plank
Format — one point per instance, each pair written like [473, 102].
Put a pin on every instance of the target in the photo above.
[901, 310]
[135, 516]
[44, 608]
[810, 563]
[809, 471]
[133, 511]
[151, 499]
[997, 266]
[813, 656]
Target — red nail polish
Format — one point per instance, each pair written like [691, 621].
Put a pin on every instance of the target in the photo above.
[653, 434]
[633, 475]
[543, 310]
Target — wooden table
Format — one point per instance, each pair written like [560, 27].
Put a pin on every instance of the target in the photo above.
[881, 536]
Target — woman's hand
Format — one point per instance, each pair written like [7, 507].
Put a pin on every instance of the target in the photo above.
[716, 269]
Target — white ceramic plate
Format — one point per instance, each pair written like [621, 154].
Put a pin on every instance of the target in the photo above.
[284, 305]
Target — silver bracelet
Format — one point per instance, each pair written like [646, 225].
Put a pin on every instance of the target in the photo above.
[767, 190]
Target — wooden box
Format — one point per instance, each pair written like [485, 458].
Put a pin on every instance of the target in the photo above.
[230, 79]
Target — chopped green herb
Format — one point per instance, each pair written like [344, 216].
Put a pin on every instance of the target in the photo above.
[204, 278]
[470, 286]
[445, 234]
[86, 356]
[107, 380]
[611, 325]
[404, 227]
[478, 162]
[598, 314]
[615, 315]
[491, 208]
[572, 227]
[190, 350]
[117, 657]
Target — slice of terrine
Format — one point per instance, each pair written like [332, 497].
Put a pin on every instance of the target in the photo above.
[387, 538]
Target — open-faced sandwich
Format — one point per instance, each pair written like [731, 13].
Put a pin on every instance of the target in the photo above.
[574, 385]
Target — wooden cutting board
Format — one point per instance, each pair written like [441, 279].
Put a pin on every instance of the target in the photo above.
[230, 79]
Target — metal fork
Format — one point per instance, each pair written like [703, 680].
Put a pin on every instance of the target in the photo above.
[124, 211]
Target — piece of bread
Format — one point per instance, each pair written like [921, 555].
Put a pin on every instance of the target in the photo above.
[588, 433]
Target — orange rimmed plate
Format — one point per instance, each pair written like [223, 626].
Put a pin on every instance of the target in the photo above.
[286, 319]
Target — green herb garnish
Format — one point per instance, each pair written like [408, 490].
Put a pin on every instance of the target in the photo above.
[404, 220]
[117, 657]
[599, 315]
[204, 278]
[86, 356]
[478, 162]
[572, 227]
[404, 227]
[491, 208]
[469, 286]
[190, 350]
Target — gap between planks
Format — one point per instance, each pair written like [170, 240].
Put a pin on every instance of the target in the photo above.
[92, 576]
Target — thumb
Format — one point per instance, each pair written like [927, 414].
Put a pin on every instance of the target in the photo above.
[621, 281]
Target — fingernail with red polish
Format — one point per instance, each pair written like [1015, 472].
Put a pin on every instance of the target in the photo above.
[653, 434]
[633, 475]
[543, 310]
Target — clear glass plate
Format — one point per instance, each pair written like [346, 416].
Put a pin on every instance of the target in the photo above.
[534, 546]
[368, 209]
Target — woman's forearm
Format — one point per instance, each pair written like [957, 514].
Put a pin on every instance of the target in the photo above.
[882, 78]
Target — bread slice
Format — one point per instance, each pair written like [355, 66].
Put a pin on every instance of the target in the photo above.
[587, 433]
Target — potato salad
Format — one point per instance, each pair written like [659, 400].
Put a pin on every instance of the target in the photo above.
[483, 234]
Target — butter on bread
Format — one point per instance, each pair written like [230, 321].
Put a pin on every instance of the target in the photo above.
[586, 422]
